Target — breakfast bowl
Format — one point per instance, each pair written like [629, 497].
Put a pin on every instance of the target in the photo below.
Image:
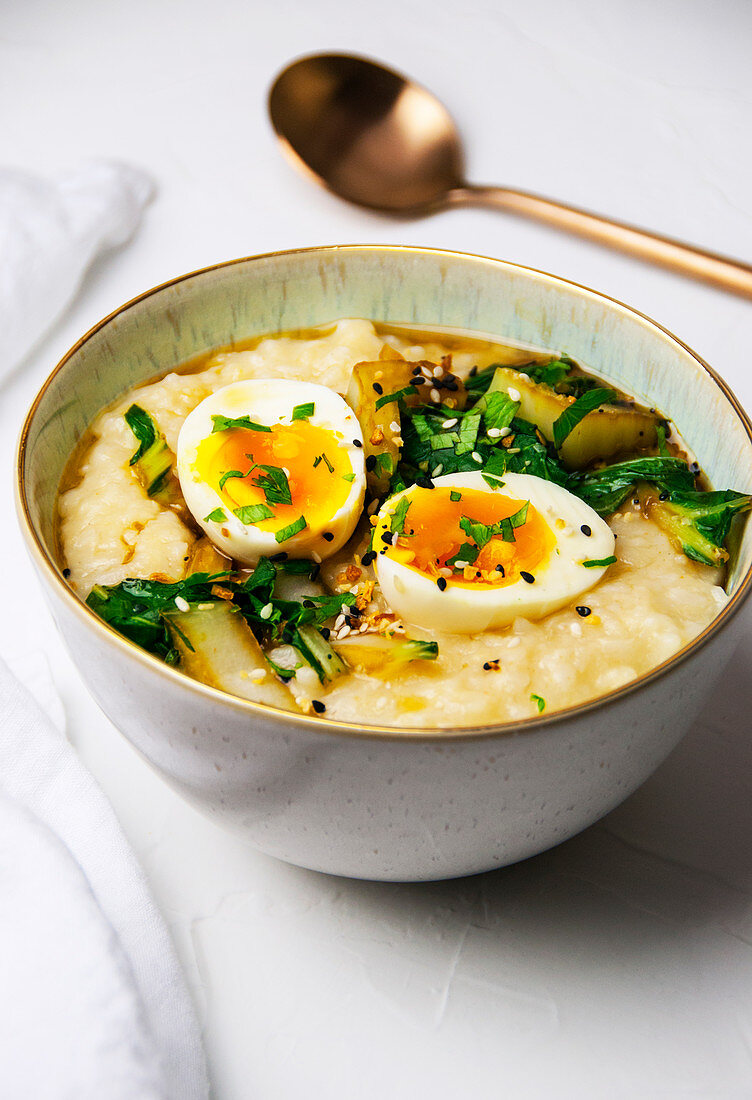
[373, 796]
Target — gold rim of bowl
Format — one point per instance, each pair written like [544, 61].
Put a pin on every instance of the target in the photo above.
[331, 726]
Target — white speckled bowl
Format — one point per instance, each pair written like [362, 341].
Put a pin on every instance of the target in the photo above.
[377, 802]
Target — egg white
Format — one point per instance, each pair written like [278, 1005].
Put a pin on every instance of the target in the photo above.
[269, 402]
[461, 610]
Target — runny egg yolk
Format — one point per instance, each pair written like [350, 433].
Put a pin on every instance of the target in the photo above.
[433, 536]
[317, 469]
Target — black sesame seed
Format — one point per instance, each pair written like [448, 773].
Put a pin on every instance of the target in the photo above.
[318, 706]
[416, 370]
[378, 387]
[281, 556]
[66, 572]
[664, 495]
[441, 584]
[500, 569]
[635, 500]
[315, 571]
[308, 603]
[486, 666]
[368, 557]
[419, 381]
[328, 536]
[583, 611]
[528, 577]
[586, 530]
[694, 468]
[450, 384]
[325, 632]
[386, 536]
[370, 462]
[357, 443]
[473, 372]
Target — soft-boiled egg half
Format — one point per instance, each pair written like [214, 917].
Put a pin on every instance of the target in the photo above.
[467, 556]
[272, 465]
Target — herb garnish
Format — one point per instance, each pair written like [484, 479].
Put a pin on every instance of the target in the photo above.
[482, 533]
[398, 516]
[274, 483]
[302, 412]
[597, 563]
[406, 391]
[228, 423]
[539, 701]
[231, 473]
[217, 516]
[253, 513]
[454, 496]
[286, 533]
[577, 411]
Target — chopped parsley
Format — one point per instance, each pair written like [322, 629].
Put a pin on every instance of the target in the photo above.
[253, 513]
[228, 423]
[539, 701]
[274, 483]
[293, 528]
[302, 412]
[399, 515]
[577, 411]
[597, 563]
[142, 426]
[348, 477]
[482, 533]
[406, 391]
[454, 496]
[466, 555]
[217, 516]
[231, 473]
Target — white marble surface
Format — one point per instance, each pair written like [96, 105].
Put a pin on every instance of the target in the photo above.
[620, 964]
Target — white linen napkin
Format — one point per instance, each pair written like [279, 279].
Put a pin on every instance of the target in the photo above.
[50, 232]
[94, 1006]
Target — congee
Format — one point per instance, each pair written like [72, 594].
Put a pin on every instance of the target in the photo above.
[395, 527]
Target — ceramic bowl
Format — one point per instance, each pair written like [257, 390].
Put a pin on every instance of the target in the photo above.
[376, 802]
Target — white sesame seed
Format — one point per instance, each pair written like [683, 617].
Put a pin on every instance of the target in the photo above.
[339, 621]
[451, 422]
[394, 427]
[257, 675]
[426, 372]
[266, 611]
[316, 557]
[503, 432]
[513, 393]
[445, 572]
[476, 457]
[206, 607]
[494, 433]
[181, 604]
[344, 631]
[362, 628]
[438, 470]
[438, 372]
[435, 396]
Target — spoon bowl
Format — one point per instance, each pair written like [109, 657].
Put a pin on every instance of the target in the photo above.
[367, 134]
[382, 141]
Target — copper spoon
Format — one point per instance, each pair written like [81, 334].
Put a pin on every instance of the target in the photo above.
[378, 140]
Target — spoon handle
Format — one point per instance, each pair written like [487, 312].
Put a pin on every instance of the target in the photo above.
[720, 271]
